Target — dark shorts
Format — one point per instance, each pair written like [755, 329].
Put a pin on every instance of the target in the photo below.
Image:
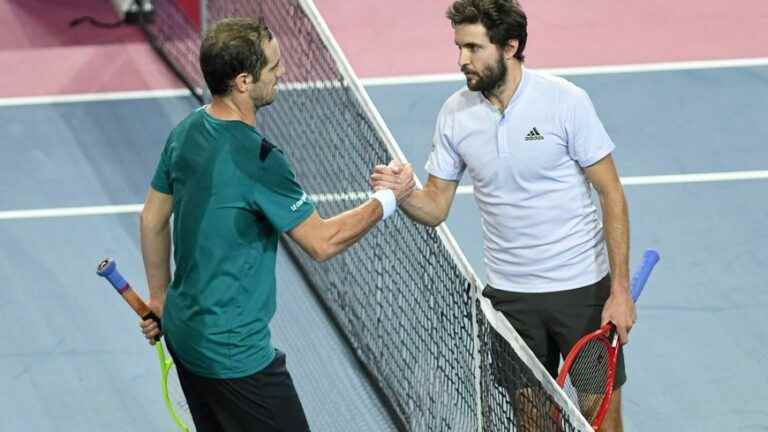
[551, 323]
[265, 401]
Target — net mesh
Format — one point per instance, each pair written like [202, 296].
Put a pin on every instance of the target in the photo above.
[408, 308]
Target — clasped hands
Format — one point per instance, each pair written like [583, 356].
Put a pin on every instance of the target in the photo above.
[397, 177]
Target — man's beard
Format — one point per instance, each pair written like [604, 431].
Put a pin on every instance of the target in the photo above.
[261, 100]
[490, 80]
[263, 103]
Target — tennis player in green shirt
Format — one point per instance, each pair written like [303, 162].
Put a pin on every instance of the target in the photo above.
[232, 193]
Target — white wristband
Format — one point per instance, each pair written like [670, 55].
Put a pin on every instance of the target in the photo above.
[388, 201]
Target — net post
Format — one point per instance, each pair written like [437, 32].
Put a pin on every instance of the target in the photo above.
[203, 16]
[205, 94]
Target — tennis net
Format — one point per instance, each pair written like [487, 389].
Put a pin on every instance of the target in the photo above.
[405, 296]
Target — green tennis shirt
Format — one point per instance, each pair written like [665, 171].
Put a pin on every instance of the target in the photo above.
[233, 193]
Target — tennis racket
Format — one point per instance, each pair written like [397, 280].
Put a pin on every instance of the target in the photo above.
[175, 402]
[589, 370]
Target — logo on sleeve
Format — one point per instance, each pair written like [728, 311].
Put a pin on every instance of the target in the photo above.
[534, 135]
[302, 200]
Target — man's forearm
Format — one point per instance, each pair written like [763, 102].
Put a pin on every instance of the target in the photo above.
[156, 250]
[345, 229]
[423, 207]
[616, 229]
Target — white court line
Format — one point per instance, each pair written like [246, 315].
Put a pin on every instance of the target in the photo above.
[94, 97]
[675, 179]
[695, 178]
[586, 70]
[136, 208]
[397, 80]
[359, 196]
[70, 211]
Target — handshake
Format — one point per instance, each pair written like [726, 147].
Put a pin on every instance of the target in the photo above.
[396, 177]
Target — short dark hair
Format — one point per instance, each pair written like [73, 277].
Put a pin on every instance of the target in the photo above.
[230, 47]
[504, 20]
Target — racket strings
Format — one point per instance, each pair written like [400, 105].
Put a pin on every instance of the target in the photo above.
[588, 377]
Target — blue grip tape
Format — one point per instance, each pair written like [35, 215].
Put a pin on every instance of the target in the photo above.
[650, 258]
[108, 270]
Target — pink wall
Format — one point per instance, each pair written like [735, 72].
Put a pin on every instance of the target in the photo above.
[401, 37]
[41, 55]
[41, 23]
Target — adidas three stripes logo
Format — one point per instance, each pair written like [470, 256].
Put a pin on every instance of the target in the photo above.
[534, 135]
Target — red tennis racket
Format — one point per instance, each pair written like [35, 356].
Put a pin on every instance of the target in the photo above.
[589, 370]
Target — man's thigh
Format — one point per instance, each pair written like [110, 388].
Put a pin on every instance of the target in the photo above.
[574, 313]
[524, 313]
[265, 401]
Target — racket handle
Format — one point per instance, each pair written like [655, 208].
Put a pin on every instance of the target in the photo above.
[650, 258]
[107, 269]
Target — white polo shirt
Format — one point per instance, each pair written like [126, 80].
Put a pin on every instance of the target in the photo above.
[541, 228]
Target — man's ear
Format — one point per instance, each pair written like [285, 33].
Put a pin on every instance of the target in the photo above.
[240, 83]
[510, 49]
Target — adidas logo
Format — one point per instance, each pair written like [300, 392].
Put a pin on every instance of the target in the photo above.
[534, 135]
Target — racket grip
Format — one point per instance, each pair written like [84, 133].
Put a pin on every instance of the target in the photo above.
[650, 258]
[107, 269]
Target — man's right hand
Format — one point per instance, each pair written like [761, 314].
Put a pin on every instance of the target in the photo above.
[151, 328]
[397, 177]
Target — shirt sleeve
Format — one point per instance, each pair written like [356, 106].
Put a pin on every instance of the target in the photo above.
[278, 195]
[161, 181]
[588, 142]
[444, 162]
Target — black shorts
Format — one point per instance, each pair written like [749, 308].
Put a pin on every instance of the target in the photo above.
[265, 401]
[551, 323]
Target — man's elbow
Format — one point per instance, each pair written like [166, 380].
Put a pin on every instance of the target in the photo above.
[438, 217]
[428, 218]
[320, 252]
[151, 223]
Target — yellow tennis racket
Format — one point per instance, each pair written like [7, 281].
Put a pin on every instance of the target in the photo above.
[175, 402]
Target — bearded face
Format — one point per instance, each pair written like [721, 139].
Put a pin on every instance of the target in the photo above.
[488, 78]
[263, 91]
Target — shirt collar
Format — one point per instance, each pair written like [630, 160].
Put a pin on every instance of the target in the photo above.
[524, 79]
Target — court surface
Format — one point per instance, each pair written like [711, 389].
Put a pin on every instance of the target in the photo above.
[72, 357]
